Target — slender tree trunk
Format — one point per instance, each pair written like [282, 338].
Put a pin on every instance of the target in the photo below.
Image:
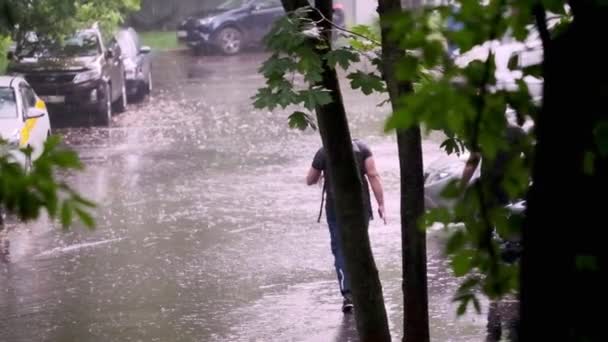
[564, 235]
[370, 313]
[413, 238]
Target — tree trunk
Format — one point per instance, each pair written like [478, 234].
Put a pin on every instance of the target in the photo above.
[370, 313]
[563, 237]
[413, 238]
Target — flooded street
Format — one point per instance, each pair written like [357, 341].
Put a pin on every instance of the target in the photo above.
[206, 229]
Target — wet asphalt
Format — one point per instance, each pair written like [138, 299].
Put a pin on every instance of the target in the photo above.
[206, 230]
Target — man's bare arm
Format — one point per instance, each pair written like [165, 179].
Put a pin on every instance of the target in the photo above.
[313, 176]
[374, 180]
[469, 169]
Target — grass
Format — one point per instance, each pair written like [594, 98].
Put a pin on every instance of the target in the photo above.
[160, 40]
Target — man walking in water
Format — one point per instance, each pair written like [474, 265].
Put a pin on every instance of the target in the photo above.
[368, 172]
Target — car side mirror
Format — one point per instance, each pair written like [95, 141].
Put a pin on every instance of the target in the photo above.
[10, 55]
[145, 49]
[34, 113]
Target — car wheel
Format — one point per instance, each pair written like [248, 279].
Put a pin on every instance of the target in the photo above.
[104, 111]
[230, 40]
[121, 103]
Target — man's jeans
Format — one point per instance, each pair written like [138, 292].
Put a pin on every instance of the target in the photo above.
[336, 249]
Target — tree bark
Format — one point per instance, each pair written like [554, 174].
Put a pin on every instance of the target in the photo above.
[413, 238]
[563, 236]
[370, 313]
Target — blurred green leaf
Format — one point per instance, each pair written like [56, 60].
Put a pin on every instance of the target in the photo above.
[587, 263]
[601, 138]
[441, 215]
[452, 190]
[462, 307]
[456, 242]
[589, 163]
[66, 213]
[85, 217]
[462, 262]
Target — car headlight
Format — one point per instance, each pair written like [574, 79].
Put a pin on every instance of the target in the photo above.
[87, 76]
[205, 21]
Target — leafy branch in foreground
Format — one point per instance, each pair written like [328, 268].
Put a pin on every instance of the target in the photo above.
[26, 193]
[294, 69]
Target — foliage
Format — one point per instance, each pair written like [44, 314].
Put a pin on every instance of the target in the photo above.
[25, 193]
[293, 69]
[462, 99]
[468, 103]
[60, 16]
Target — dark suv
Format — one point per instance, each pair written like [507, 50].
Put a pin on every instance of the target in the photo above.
[79, 72]
[235, 24]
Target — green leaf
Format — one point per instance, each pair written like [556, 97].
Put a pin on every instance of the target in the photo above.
[462, 307]
[452, 145]
[315, 97]
[589, 163]
[476, 305]
[85, 217]
[367, 82]
[441, 215]
[601, 138]
[344, 57]
[587, 263]
[452, 190]
[554, 6]
[298, 120]
[66, 213]
[276, 66]
[81, 201]
[309, 64]
[265, 99]
[462, 262]
[407, 67]
[456, 242]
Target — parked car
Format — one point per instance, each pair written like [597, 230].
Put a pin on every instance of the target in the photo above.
[79, 72]
[24, 120]
[235, 24]
[137, 62]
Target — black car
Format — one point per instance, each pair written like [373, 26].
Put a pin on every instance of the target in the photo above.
[78, 73]
[137, 63]
[235, 24]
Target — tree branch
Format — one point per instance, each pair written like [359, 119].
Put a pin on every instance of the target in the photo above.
[487, 237]
[541, 23]
[375, 42]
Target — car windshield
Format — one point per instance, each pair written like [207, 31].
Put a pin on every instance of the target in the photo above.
[8, 105]
[231, 4]
[82, 44]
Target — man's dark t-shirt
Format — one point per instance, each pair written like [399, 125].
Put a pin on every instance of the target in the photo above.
[362, 152]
